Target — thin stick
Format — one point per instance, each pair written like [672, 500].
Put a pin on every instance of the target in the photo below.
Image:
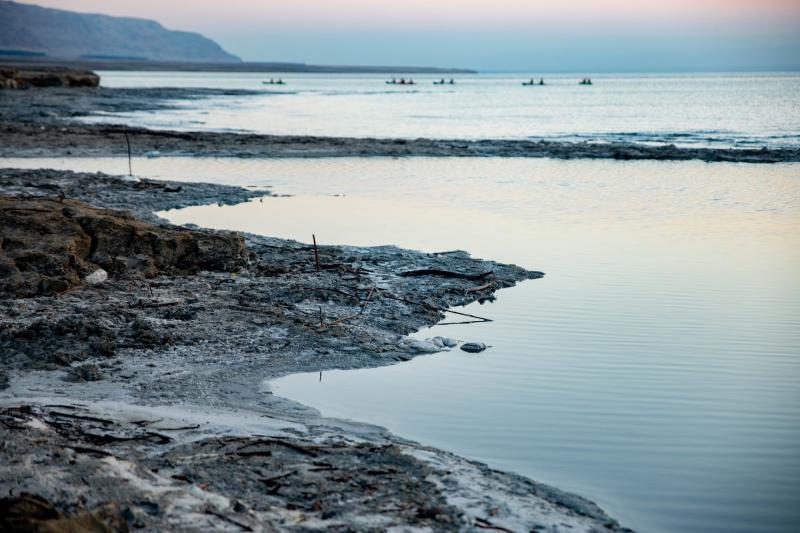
[429, 306]
[480, 288]
[460, 323]
[485, 524]
[316, 253]
[128, 142]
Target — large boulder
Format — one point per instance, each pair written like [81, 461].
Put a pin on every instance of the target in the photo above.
[23, 78]
[48, 246]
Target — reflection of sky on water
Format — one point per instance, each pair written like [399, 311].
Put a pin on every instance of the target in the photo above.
[655, 369]
[698, 109]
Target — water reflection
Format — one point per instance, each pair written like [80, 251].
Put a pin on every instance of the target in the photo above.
[655, 369]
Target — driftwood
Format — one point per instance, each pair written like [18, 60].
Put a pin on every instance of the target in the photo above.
[432, 307]
[485, 524]
[444, 274]
[480, 288]
[460, 322]
[277, 442]
[274, 480]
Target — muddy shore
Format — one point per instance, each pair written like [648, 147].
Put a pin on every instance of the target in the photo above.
[138, 402]
[42, 123]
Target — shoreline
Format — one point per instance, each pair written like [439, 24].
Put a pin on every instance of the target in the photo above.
[42, 123]
[155, 397]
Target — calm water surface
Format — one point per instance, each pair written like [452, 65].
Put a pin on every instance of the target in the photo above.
[685, 109]
[655, 369]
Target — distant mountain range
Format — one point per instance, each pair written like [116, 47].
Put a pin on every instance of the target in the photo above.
[28, 31]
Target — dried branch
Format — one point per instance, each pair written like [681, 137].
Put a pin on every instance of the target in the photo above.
[444, 274]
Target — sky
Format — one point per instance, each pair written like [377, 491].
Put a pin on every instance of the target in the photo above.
[488, 35]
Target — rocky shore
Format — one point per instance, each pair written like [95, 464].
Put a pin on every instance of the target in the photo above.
[27, 76]
[135, 400]
[41, 123]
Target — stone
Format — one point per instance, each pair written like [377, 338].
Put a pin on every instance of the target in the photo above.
[444, 342]
[82, 373]
[96, 277]
[473, 347]
[420, 346]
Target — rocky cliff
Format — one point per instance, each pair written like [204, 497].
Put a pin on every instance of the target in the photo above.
[33, 30]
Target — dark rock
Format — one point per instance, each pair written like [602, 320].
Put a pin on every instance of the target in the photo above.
[473, 347]
[30, 513]
[181, 313]
[40, 76]
[85, 373]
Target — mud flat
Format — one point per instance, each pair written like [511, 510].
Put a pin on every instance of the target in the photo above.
[41, 123]
[136, 401]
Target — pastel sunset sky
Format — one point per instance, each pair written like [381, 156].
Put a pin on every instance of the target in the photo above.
[547, 35]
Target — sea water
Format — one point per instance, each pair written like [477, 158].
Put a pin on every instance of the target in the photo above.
[697, 109]
[655, 369]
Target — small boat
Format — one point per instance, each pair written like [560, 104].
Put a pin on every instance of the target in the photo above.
[529, 83]
[273, 82]
[586, 81]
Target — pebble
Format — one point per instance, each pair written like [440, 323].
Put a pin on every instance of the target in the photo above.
[473, 347]
[443, 342]
[96, 277]
[449, 342]
[421, 346]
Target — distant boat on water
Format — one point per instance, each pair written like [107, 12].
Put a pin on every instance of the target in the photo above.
[442, 82]
[274, 82]
[533, 82]
[401, 81]
[586, 81]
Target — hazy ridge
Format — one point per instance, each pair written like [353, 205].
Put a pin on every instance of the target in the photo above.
[28, 29]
